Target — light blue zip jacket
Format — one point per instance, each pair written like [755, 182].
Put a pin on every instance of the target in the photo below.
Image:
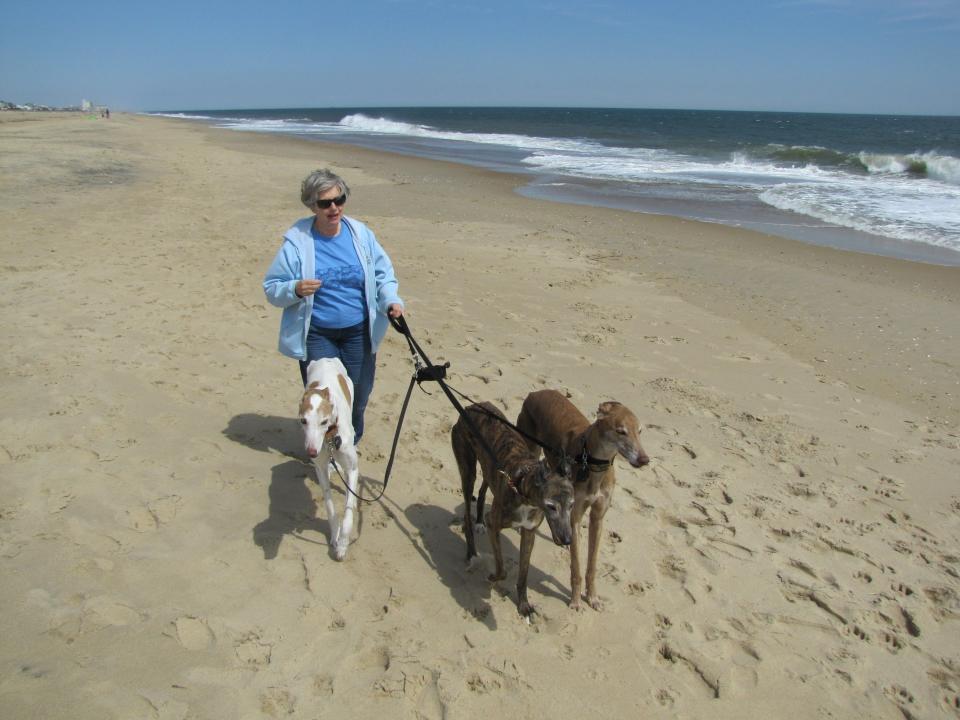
[295, 261]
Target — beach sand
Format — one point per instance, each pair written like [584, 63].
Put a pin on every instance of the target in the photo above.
[791, 551]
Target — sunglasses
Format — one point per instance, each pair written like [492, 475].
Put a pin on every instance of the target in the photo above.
[338, 201]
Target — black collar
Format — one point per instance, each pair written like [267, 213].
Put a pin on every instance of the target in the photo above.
[585, 464]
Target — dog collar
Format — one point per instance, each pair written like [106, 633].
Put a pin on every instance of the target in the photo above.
[516, 487]
[333, 437]
[585, 463]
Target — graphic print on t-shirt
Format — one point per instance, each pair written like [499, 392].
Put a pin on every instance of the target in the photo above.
[339, 302]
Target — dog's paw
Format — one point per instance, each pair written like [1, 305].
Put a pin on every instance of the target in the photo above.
[526, 609]
[595, 602]
[341, 544]
[496, 577]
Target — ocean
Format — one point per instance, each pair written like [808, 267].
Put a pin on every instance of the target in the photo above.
[887, 185]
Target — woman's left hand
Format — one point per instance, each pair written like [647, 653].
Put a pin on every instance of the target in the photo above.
[395, 310]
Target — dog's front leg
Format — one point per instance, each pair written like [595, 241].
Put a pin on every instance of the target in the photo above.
[353, 481]
[322, 467]
[527, 538]
[597, 511]
[492, 521]
[576, 578]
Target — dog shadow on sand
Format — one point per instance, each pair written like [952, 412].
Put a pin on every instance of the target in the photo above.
[444, 549]
[292, 506]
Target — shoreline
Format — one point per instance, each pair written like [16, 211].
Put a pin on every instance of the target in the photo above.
[806, 230]
[165, 547]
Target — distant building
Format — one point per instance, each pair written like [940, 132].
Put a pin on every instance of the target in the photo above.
[86, 105]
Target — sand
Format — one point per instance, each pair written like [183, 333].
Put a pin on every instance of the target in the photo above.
[791, 551]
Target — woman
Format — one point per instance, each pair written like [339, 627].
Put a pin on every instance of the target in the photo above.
[336, 286]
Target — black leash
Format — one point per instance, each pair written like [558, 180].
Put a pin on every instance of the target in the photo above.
[424, 371]
[427, 371]
[565, 460]
[432, 373]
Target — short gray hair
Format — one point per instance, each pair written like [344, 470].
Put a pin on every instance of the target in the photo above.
[319, 182]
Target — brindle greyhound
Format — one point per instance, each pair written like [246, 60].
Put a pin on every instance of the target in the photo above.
[548, 416]
[524, 489]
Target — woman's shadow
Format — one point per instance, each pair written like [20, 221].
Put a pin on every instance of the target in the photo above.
[292, 508]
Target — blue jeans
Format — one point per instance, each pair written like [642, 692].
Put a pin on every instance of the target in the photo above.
[352, 346]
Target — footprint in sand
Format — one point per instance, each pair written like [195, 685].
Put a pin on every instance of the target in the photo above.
[665, 698]
[638, 588]
[164, 706]
[892, 642]
[901, 589]
[104, 611]
[277, 702]
[193, 633]
[323, 685]
[252, 651]
[57, 500]
[902, 698]
[151, 516]
[858, 632]
[951, 701]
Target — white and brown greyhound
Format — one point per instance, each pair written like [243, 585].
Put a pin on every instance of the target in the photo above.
[592, 447]
[325, 413]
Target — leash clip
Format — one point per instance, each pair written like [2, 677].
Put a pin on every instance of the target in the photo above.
[432, 372]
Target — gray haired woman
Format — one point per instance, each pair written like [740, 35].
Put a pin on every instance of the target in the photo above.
[336, 286]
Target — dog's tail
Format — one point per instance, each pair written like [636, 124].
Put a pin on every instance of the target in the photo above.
[466, 455]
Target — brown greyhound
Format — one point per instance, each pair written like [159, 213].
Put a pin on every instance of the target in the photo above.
[592, 447]
[525, 489]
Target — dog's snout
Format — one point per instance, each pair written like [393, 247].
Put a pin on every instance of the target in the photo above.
[641, 460]
[312, 452]
[562, 535]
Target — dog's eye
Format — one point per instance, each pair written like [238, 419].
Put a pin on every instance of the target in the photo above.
[621, 431]
[303, 421]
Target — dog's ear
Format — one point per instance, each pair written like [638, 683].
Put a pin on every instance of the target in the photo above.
[522, 471]
[540, 475]
[606, 407]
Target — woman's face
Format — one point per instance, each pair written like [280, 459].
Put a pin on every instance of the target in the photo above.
[328, 218]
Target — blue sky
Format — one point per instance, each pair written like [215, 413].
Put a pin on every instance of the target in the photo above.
[874, 56]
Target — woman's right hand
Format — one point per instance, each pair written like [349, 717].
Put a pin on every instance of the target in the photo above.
[307, 287]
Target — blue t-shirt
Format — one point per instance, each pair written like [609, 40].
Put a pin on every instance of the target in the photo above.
[339, 302]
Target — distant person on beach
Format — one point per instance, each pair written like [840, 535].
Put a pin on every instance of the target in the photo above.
[336, 286]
